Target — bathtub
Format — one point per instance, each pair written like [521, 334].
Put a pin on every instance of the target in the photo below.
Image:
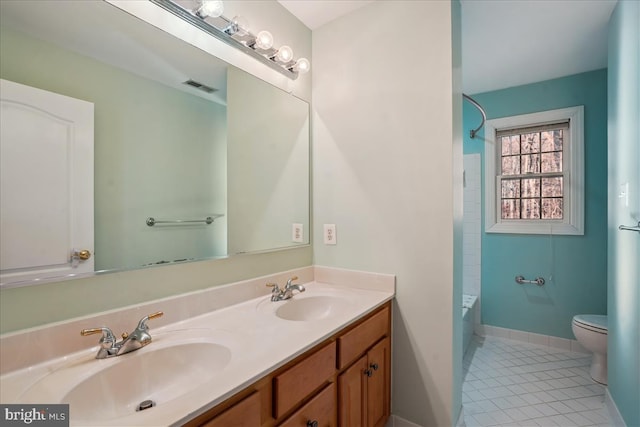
[468, 319]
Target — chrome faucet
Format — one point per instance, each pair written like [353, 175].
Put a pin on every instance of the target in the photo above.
[137, 339]
[278, 294]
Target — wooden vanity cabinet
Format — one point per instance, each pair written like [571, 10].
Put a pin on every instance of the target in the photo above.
[364, 387]
[301, 379]
[321, 411]
[245, 413]
[344, 381]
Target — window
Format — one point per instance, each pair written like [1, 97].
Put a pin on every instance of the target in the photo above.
[534, 173]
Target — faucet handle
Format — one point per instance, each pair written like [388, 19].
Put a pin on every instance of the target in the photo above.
[290, 281]
[275, 287]
[142, 324]
[107, 340]
[106, 332]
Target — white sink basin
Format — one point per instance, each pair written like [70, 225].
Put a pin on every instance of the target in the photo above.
[159, 376]
[107, 389]
[311, 308]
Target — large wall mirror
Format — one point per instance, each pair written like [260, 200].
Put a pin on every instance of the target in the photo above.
[178, 136]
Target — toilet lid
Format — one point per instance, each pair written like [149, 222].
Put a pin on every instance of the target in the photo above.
[595, 321]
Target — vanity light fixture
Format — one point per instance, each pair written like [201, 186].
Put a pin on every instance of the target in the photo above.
[207, 16]
[284, 55]
[264, 40]
[206, 8]
[238, 27]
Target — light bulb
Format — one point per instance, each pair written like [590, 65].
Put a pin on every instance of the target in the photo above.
[264, 40]
[285, 54]
[213, 8]
[240, 25]
[302, 65]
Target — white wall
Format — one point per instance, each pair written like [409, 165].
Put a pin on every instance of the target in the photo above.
[472, 216]
[385, 174]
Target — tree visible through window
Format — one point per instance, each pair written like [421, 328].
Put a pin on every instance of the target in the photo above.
[531, 177]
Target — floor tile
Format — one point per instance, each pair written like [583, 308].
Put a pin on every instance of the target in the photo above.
[512, 383]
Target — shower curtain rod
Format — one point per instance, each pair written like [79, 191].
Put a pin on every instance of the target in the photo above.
[474, 132]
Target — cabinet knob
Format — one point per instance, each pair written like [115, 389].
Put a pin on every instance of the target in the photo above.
[313, 423]
[374, 366]
[368, 372]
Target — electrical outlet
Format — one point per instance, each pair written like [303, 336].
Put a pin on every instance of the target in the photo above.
[330, 237]
[297, 233]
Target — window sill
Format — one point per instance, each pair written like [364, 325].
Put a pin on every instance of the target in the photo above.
[537, 227]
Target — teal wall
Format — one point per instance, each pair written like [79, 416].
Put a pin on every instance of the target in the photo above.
[624, 246]
[577, 264]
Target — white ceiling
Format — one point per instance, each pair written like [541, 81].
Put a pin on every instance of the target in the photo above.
[315, 13]
[508, 43]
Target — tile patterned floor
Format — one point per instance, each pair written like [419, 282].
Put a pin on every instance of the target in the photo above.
[510, 383]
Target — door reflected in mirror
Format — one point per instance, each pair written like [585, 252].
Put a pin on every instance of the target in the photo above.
[179, 136]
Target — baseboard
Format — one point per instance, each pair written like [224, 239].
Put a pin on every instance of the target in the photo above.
[460, 422]
[614, 414]
[396, 421]
[530, 337]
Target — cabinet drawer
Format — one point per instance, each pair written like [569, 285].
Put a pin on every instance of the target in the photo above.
[245, 413]
[321, 409]
[297, 382]
[359, 339]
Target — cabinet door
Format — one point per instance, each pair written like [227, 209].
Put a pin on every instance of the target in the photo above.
[356, 341]
[378, 384]
[352, 385]
[319, 412]
[245, 413]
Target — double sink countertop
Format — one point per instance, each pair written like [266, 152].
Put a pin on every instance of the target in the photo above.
[194, 364]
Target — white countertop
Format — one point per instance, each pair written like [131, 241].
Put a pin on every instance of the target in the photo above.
[258, 340]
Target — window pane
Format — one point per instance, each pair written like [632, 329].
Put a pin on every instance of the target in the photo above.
[530, 208]
[510, 188]
[511, 165]
[552, 208]
[504, 143]
[531, 187]
[547, 141]
[510, 209]
[515, 144]
[552, 187]
[552, 140]
[510, 145]
[530, 163]
[530, 142]
[552, 162]
[558, 137]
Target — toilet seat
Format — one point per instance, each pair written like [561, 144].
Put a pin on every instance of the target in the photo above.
[592, 322]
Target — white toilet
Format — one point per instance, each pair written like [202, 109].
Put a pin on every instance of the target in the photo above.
[591, 332]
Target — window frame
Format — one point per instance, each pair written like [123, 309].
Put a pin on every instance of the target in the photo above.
[573, 173]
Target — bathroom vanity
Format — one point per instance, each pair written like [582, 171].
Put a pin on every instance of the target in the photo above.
[223, 356]
[345, 380]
